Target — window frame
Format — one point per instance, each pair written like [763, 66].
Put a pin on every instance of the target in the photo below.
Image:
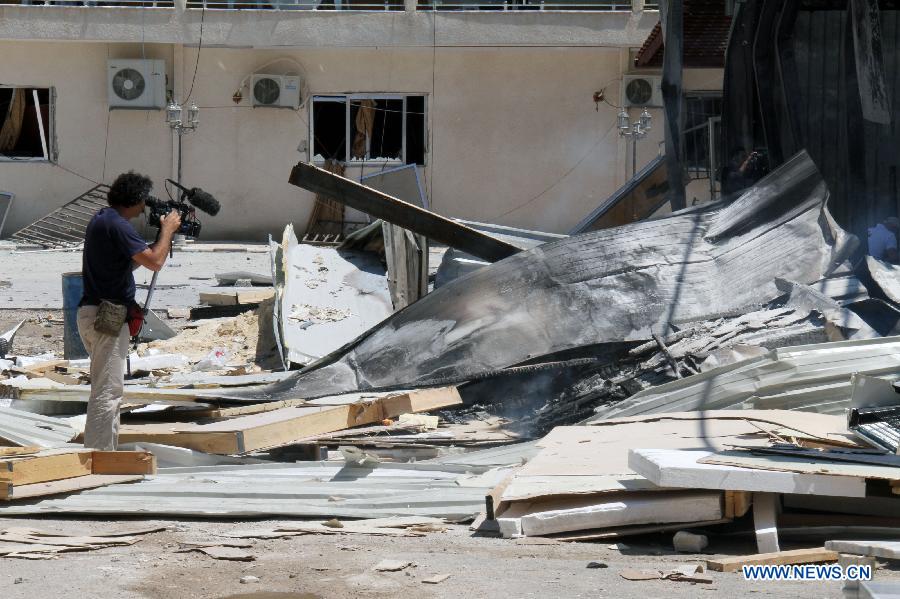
[48, 140]
[347, 99]
[713, 153]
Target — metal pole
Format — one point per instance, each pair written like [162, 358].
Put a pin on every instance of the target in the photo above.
[633, 153]
[179, 156]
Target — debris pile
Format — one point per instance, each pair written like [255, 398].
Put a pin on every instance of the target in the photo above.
[721, 372]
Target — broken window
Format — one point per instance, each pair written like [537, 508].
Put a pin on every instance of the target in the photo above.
[26, 123]
[377, 128]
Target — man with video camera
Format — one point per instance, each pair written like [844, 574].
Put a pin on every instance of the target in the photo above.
[112, 250]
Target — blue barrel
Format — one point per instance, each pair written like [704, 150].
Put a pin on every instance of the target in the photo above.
[72, 289]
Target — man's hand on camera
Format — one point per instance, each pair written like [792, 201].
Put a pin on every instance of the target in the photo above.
[170, 222]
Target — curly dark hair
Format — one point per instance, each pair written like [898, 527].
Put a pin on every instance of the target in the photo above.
[129, 189]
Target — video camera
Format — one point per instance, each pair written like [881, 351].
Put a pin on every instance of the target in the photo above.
[190, 225]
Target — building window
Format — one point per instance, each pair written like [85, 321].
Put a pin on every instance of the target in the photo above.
[26, 124]
[702, 154]
[374, 128]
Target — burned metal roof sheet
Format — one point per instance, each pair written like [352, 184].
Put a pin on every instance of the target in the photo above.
[620, 284]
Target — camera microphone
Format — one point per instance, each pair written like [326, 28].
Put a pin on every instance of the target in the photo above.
[199, 199]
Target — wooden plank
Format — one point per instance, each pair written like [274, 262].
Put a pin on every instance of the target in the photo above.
[287, 425]
[45, 467]
[398, 212]
[765, 521]
[90, 481]
[123, 462]
[421, 400]
[797, 556]
[227, 443]
[737, 503]
[322, 420]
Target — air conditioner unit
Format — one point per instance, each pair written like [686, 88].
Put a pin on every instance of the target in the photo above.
[136, 83]
[641, 90]
[275, 91]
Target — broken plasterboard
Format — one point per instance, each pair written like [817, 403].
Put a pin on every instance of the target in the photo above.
[329, 298]
[680, 469]
[567, 462]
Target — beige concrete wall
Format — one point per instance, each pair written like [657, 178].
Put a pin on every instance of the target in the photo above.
[514, 135]
[92, 141]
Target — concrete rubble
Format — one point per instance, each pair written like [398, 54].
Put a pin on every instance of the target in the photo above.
[688, 377]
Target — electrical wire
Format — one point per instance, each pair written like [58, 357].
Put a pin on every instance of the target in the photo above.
[560, 179]
[199, 47]
[106, 145]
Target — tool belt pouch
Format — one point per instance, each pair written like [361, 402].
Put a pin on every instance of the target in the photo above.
[135, 319]
[110, 318]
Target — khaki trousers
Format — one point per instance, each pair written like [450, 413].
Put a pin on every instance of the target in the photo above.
[108, 354]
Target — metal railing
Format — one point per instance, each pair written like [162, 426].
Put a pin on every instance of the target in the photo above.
[533, 5]
[318, 5]
[354, 5]
[94, 3]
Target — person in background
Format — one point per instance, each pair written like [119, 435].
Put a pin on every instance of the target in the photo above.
[883, 240]
[112, 250]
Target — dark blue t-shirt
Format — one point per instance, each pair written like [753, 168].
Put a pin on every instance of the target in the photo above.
[109, 244]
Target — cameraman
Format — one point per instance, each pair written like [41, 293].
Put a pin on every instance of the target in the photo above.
[112, 249]
[743, 171]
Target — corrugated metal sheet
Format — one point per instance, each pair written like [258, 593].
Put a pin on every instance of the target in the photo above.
[25, 428]
[815, 378]
[313, 489]
[506, 455]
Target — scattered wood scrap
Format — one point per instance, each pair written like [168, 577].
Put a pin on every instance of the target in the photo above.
[387, 527]
[30, 543]
[815, 555]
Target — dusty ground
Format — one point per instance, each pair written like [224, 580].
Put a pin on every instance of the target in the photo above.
[42, 332]
[341, 566]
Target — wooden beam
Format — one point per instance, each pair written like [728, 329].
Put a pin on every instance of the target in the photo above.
[287, 425]
[420, 400]
[796, 556]
[123, 462]
[47, 466]
[398, 212]
[737, 503]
